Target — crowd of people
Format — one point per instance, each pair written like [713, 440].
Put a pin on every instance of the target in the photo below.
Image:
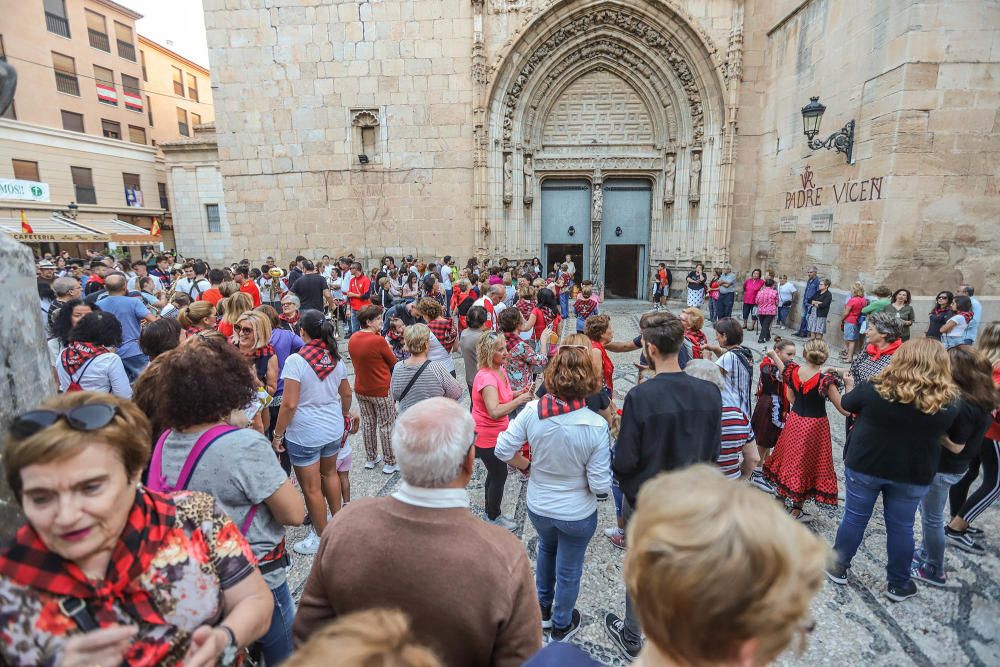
[202, 411]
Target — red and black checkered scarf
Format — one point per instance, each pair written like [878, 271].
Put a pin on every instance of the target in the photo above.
[317, 355]
[512, 340]
[444, 331]
[78, 353]
[550, 406]
[30, 563]
[257, 352]
[584, 307]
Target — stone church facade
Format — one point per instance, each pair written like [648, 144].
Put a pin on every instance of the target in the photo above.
[621, 132]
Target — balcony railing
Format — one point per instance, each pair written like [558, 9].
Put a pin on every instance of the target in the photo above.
[56, 24]
[99, 40]
[86, 194]
[67, 83]
[126, 50]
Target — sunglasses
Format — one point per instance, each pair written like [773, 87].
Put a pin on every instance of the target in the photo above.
[81, 418]
[243, 330]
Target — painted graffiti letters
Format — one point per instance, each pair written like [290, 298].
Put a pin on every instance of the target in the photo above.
[810, 194]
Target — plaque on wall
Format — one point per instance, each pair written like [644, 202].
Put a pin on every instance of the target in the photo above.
[787, 225]
[821, 222]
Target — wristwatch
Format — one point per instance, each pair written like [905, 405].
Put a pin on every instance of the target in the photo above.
[232, 649]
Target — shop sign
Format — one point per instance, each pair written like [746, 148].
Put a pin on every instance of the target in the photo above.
[23, 190]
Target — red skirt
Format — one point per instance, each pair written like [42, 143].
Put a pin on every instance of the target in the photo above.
[764, 429]
[801, 466]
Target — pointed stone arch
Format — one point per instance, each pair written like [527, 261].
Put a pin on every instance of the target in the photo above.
[668, 63]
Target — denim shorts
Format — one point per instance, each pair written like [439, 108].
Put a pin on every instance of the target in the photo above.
[850, 331]
[302, 456]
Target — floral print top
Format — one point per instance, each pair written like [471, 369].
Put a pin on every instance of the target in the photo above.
[172, 583]
[522, 362]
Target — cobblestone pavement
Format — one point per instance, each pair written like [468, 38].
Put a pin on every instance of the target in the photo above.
[855, 625]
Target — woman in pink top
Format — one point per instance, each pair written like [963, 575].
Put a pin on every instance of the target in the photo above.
[492, 400]
[767, 308]
[751, 286]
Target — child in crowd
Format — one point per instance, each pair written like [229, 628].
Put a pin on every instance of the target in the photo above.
[801, 466]
[395, 338]
[586, 304]
[771, 411]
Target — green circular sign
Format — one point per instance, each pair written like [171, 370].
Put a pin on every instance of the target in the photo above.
[35, 190]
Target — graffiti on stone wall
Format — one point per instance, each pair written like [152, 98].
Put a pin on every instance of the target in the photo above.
[810, 194]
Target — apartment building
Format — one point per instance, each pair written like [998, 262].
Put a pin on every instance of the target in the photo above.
[79, 128]
[178, 92]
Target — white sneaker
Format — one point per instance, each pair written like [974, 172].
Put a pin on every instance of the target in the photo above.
[611, 532]
[503, 522]
[308, 546]
[370, 465]
[389, 469]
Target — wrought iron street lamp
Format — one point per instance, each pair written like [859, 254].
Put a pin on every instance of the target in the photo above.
[842, 141]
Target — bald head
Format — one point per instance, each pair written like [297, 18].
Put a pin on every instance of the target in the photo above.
[431, 441]
[115, 283]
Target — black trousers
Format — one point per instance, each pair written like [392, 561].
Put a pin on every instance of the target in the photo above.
[496, 477]
[969, 507]
[765, 327]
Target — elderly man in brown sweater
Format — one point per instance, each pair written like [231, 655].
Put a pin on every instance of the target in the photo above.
[466, 585]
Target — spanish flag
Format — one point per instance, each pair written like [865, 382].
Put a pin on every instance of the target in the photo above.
[25, 225]
[155, 229]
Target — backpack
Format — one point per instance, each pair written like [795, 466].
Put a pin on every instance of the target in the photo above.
[74, 385]
[158, 482]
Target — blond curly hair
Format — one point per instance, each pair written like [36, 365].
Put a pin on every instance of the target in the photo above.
[918, 375]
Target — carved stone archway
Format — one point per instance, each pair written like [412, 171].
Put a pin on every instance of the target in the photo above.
[661, 74]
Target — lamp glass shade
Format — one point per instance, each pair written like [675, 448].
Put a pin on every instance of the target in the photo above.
[812, 115]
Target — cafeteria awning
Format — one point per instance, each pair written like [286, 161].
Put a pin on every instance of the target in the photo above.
[52, 229]
[121, 232]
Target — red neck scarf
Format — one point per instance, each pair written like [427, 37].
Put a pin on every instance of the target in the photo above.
[967, 315]
[317, 355]
[512, 339]
[30, 563]
[77, 354]
[294, 319]
[258, 352]
[888, 350]
[550, 406]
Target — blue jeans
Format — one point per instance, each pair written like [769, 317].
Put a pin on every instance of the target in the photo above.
[276, 644]
[724, 306]
[899, 501]
[931, 552]
[783, 313]
[134, 365]
[355, 325]
[561, 548]
[447, 296]
[804, 320]
[564, 301]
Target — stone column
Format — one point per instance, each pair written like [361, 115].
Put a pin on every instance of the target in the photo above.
[596, 214]
[27, 377]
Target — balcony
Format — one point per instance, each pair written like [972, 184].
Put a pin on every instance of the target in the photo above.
[126, 50]
[56, 24]
[86, 194]
[67, 83]
[99, 40]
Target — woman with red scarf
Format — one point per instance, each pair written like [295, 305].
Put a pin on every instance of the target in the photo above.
[289, 316]
[314, 409]
[953, 331]
[544, 315]
[89, 363]
[941, 313]
[252, 336]
[883, 338]
[106, 572]
[694, 338]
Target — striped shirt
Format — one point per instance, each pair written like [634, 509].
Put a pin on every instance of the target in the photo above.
[736, 432]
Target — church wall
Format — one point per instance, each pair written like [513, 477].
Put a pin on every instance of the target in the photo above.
[919, 206]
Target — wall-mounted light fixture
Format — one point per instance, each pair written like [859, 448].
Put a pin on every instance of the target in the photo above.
[73, 208]
[841, 141]
[363, 159]
[618, 231]
[571, 231]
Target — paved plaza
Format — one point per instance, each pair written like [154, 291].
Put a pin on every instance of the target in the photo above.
[855, 625]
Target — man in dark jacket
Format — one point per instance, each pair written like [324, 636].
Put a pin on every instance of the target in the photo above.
[670, 421]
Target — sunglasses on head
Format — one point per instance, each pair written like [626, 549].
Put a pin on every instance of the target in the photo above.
[88, 417]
